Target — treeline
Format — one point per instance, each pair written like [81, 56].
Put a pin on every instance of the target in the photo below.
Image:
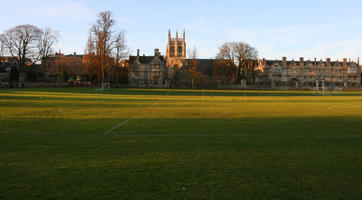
[105, 49]
[30, 46]
[27, 45]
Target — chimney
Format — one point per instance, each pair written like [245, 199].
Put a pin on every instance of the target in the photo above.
[344, 60]
[284, 59]
[328, 61]
[138, 53]
[301, 59]
[157, 52]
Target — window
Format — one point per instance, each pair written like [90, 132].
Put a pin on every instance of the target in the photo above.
[352, 70]
[179, 51]
[172, 51]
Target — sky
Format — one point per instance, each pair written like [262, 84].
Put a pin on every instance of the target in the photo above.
[278, 28]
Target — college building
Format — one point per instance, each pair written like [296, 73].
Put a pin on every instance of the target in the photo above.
[175, 70]
[307, 74]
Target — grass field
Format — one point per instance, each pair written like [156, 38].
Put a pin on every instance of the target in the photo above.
[179, 144]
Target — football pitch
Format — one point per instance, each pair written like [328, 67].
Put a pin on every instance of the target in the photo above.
[179, 144]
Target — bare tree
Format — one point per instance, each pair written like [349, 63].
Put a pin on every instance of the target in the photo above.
[90, 48]
[102, 32]
[120, 52]
[245, 55]
[21, 42]
[193, 54]
[1, 45]
[120, 47]
[46, 42]
[225, 61]
[236, 57]
[106, 43]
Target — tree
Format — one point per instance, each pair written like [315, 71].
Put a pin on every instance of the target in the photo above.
[120, 52]
[237, 57]
[193, 54]
[2, 45]
[245, 58]
[224, 71]
[120, 47]
[64, 76]
[21, 42]
[101, 33]
[103, 42]
[226, 60]
[48, 38]
[13, 76]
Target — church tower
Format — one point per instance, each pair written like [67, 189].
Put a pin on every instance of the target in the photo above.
[175, 54]
[176, 47]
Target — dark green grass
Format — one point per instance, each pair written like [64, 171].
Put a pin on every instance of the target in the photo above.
[56, 167]
[185, 147]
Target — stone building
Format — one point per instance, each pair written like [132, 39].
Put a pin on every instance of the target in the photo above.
[147, 71]
[121, 75]
[194, 73]
[175, 70]
[308, 74]
[183, 72]
[58, 63]
[8, 62]
[175, 54]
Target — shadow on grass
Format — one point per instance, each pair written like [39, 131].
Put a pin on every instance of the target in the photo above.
[271, 126]
[147, 167]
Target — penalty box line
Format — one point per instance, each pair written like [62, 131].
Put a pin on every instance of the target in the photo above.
[133, 116]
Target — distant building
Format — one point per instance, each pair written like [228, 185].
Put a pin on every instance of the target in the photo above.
[307, 74]
[175, 53]
[8, 62]
[183, 72]
[121, 75]
[147, 70]
[175, 70]
[59, 62]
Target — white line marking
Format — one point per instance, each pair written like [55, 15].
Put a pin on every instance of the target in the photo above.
[331, 108]
[203, 95]
[115, 127]
[132, 117]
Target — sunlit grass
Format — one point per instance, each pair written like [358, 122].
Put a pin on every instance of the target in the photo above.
[217, 144]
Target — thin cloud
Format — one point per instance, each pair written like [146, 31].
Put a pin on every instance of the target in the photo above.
[63, 9]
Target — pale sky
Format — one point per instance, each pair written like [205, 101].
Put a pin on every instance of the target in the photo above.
[276, 28]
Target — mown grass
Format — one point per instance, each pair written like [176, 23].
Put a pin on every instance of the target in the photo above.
[179, 144]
